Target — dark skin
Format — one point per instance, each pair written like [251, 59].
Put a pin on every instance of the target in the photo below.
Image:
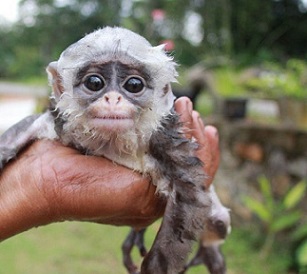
[51, 183]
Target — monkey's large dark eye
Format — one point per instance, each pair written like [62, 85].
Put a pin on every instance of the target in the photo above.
[94, 83]
[134, 85]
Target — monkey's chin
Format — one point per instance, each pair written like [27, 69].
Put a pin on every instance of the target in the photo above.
[112, 124]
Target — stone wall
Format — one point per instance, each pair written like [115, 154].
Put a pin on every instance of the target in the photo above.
[250, 150]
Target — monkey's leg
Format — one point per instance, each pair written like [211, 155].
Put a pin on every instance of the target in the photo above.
[23, 133]
[182, 227]
[134, 238]
[173, 243]
[139, 242]
[179, 174]
[214, 259]
[216, 230]
[210, 256]
[197, 260]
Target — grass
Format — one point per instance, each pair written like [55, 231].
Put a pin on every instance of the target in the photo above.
[85, 248]
[70, 247]
[64, 248]
[243, 255]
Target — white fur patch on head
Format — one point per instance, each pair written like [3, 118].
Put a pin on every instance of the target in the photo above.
[113, 43]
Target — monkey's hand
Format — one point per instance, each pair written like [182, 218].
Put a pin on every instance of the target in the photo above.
[49, 182]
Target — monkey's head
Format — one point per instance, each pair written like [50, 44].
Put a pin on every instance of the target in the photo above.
[113, 81]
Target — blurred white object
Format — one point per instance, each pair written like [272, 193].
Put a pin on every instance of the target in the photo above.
[14, 110]
[18, 101]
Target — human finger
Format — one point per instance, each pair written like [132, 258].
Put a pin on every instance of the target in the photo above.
[208, 141]
[184, 108]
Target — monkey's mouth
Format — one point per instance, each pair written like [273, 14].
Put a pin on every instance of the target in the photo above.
[116, 123]
[112, 117]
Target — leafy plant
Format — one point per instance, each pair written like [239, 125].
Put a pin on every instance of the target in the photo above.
[301, 255]
[226, 81]
[277, 215]
[296, 66]
[277, 81]
[300, 236]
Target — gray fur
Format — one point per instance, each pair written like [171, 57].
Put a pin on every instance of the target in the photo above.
[23, 133]
[176, 162]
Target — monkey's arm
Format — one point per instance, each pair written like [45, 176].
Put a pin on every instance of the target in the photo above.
[23, 133]
[181, 176]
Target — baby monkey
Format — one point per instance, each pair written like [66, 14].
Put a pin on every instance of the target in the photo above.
[111, 97]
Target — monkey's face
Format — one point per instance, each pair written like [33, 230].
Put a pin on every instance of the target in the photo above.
[113, 82]
[113, 95]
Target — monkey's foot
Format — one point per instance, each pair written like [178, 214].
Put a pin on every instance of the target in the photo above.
[134, 238]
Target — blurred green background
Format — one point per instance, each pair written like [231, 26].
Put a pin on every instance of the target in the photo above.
[85, 248]
[246, 32]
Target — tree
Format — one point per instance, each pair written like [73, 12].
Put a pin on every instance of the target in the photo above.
[198, 28]
[278, 26]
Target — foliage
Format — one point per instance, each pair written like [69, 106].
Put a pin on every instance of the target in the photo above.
[223, 28]
[270, 80]
[276, 81]
[279, 29]
[241, 251]
[301, 255]
[300, 237]
[29, 63]
[226, 82]
[278, 215]
[7, 46]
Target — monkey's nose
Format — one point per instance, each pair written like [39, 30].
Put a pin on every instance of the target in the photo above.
[112, 98]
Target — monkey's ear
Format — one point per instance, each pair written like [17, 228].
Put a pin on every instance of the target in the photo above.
[55, 79]
[168, 98]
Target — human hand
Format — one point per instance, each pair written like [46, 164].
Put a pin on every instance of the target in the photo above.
[50, 183]
[206, 136]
